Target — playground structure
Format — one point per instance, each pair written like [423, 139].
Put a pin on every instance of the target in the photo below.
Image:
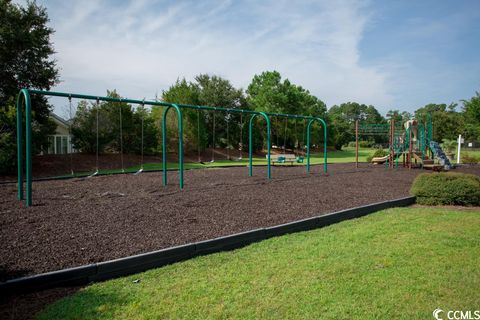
[411, 142]
[24, 99]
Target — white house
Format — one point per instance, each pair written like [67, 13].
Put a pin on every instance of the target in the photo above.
[61, 141]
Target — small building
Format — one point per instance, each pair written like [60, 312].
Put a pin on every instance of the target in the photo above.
[61, 141]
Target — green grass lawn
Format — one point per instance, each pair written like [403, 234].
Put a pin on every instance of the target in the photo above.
[399, 263]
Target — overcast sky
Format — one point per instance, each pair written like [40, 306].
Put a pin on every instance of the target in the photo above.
[391, 54]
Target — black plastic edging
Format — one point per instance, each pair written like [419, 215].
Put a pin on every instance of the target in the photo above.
[138, 263]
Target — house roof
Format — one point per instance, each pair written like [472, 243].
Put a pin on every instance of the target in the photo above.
[59, 120]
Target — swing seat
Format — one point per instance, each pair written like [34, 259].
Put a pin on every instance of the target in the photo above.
[300, 159]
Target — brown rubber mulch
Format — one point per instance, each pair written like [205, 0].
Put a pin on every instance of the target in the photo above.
[80, 221]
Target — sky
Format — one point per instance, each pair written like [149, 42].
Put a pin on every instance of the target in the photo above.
[391, 54]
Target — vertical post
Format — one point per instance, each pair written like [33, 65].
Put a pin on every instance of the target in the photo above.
[250, 144]
[308, 145]
[410, 148]
[324, 125]
[392, 141]
[28, 142]
[356, 143]
[180, 144]
[164, 146]
[325, 143]
[459, 147]
[421, 132]
[19, 146]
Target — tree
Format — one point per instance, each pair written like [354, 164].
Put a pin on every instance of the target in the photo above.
[205, 90]
[471, 113]
[447, 123]
[343, 119]
[84, 128]
[219, 92]
[267, 92]
[25, 62]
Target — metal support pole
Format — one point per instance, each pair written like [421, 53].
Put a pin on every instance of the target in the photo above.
[180, 143]
[28, 142]
[28, 146]
[20, 145]
[324, 125]
[250, 144]
[356, 143]
[459, 147]
[410, 148]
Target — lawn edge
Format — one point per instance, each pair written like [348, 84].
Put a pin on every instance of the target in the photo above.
[83, 275]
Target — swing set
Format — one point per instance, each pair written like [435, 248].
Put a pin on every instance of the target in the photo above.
[23, 100]
[228, 147]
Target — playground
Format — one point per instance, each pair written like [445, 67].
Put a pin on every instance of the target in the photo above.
[97, 216]
[117, 205]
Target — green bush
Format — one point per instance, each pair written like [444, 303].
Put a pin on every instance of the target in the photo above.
[361, 144]
[447, 189]
[8, 153]
[377, 153]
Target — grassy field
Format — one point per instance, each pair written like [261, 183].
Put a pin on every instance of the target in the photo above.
[399, 263]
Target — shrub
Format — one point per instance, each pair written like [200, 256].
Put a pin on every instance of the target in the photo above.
[447, 189]
[377, 153]
[361, 144]
[366, 144]
[448, 145]
[8, 153]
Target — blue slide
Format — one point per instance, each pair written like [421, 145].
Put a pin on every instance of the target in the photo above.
[438, 152]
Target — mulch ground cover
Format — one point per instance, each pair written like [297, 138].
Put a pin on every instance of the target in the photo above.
[80, 221]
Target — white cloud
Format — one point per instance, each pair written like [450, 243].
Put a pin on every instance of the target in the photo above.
[142, 47]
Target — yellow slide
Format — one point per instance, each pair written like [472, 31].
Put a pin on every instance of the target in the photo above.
[379, 160]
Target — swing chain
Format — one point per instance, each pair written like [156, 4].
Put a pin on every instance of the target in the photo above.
[121, 136]
[143, 115]
[198, 136]
[70, 133]
[97, 146]
[228, 136]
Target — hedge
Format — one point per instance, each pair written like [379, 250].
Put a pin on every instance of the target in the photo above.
[447, 188]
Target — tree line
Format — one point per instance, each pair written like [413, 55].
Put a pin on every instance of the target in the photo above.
[270, 93]
[26, 46]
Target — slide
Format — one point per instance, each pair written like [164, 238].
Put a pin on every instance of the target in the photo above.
[379, 160]
[438, 152]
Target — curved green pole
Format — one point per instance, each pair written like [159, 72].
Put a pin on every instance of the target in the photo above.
[324, 125]
[28, 145]
[250, 144]
[180, 143]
